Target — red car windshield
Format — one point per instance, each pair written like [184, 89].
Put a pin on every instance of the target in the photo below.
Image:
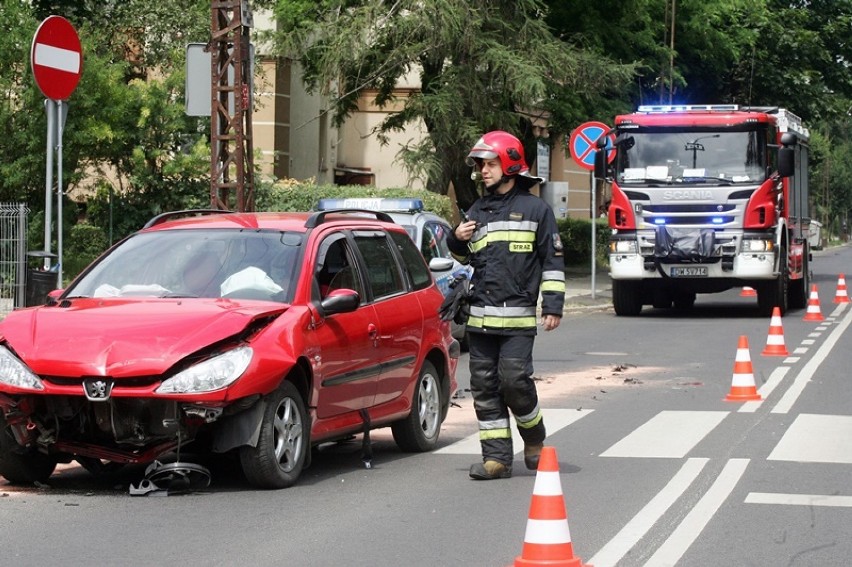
[196, 263]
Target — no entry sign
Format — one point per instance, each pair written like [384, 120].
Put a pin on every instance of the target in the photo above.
[583, 143]
[56, 58]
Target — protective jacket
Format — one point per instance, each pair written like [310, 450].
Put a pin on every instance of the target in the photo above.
[516, 254]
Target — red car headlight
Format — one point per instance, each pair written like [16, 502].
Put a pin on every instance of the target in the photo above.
[15, 373]
[209, 375]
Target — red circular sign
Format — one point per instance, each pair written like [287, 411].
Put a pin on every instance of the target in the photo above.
[56, 58]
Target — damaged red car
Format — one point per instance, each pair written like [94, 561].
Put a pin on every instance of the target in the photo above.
[257, 334]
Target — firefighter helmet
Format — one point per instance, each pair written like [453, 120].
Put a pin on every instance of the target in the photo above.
[503, 146]
[508, 149]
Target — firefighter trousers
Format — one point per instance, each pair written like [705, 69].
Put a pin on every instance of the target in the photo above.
[500, 382]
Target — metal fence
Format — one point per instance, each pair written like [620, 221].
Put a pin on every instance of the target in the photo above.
[13, 256]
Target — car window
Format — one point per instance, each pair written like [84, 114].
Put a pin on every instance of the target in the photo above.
[196, 263]
[383, 275]
[336, 267]
[417, 270]
[434, 243]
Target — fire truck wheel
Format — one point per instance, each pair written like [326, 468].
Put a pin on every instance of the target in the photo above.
[684, 300]
[627, 298]
[773, 293]
[800, 288]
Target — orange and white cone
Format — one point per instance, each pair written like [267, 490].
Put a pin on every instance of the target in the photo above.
[547, 542]
[813, 313]
[743, 388]
[841, 296]
[748, 292]
[775, 340]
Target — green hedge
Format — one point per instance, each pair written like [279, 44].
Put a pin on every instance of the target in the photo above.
[576, 237]
[304, 197]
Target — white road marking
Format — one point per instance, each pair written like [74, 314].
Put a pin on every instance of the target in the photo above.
[795, 390]
[767, 388]
[554, 420]
[799, 499]
[791, 360]
[616, 548]
[607, 353]
[800, 350]
[692, 525]
[669, 434]
[816, 439]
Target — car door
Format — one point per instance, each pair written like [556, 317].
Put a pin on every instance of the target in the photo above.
[349, 342]
[400, 317]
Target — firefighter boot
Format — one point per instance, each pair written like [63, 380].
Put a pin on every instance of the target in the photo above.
[490, 470]
[532, 454]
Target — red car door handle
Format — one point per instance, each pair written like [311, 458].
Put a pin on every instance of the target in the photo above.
[373, 332]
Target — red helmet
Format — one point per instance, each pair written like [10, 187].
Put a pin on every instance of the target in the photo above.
[503, 146]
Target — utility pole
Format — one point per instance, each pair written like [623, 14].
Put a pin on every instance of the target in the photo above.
[231, 159]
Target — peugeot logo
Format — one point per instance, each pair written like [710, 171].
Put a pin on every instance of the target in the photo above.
[97, 389]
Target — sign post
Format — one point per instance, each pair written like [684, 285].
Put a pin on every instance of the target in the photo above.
[56, 58]
[583, 146]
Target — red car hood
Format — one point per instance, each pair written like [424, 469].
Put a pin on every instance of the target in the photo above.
[119, 338]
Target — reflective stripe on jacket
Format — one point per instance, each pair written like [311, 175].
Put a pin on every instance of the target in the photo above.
[516, 254]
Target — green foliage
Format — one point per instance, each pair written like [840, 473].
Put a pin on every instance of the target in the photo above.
[85, 243]
[576, 235]
[304, 197]
[482, 66]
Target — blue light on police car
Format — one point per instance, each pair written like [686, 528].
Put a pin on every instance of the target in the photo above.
[717, 220]
[659, 221]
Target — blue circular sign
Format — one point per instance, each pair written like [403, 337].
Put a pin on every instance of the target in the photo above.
[583, 143]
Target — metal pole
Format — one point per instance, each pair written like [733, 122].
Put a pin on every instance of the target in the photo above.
[594, 216]
[59, 130]
[50, 108]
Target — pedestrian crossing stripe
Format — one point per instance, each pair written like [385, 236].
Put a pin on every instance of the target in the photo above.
[669, 434]
[554, 420]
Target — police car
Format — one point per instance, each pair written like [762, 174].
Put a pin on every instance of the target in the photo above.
[428, 231]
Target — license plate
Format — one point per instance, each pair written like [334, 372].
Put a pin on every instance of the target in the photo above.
[689, 272]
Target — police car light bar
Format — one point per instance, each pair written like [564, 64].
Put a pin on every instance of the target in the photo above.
[688, 107]
[402, 205]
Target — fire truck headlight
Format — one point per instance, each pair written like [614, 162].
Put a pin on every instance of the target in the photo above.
[757, 245]
[623, 247]
[212, 374]
[15, 373]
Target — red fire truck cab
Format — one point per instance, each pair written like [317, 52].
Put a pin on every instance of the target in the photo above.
[708, 198]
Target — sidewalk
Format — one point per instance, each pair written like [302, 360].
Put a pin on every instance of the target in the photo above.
[578, 289]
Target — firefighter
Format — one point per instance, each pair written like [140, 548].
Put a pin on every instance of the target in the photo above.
[511, 240]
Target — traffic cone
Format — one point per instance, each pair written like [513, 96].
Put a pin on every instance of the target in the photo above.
[813, 313]
[547, 542]
[775, 340]
[748, 292]
[743, 388]
[840, 296]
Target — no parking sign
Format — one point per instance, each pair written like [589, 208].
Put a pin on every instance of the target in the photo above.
[583, 144]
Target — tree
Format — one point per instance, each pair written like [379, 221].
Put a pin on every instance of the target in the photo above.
[126, 128]
[482, 65]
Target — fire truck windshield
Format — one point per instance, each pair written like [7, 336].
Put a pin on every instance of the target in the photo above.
[691, 156]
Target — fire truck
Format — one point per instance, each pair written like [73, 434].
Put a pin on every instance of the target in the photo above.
[706, 198]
